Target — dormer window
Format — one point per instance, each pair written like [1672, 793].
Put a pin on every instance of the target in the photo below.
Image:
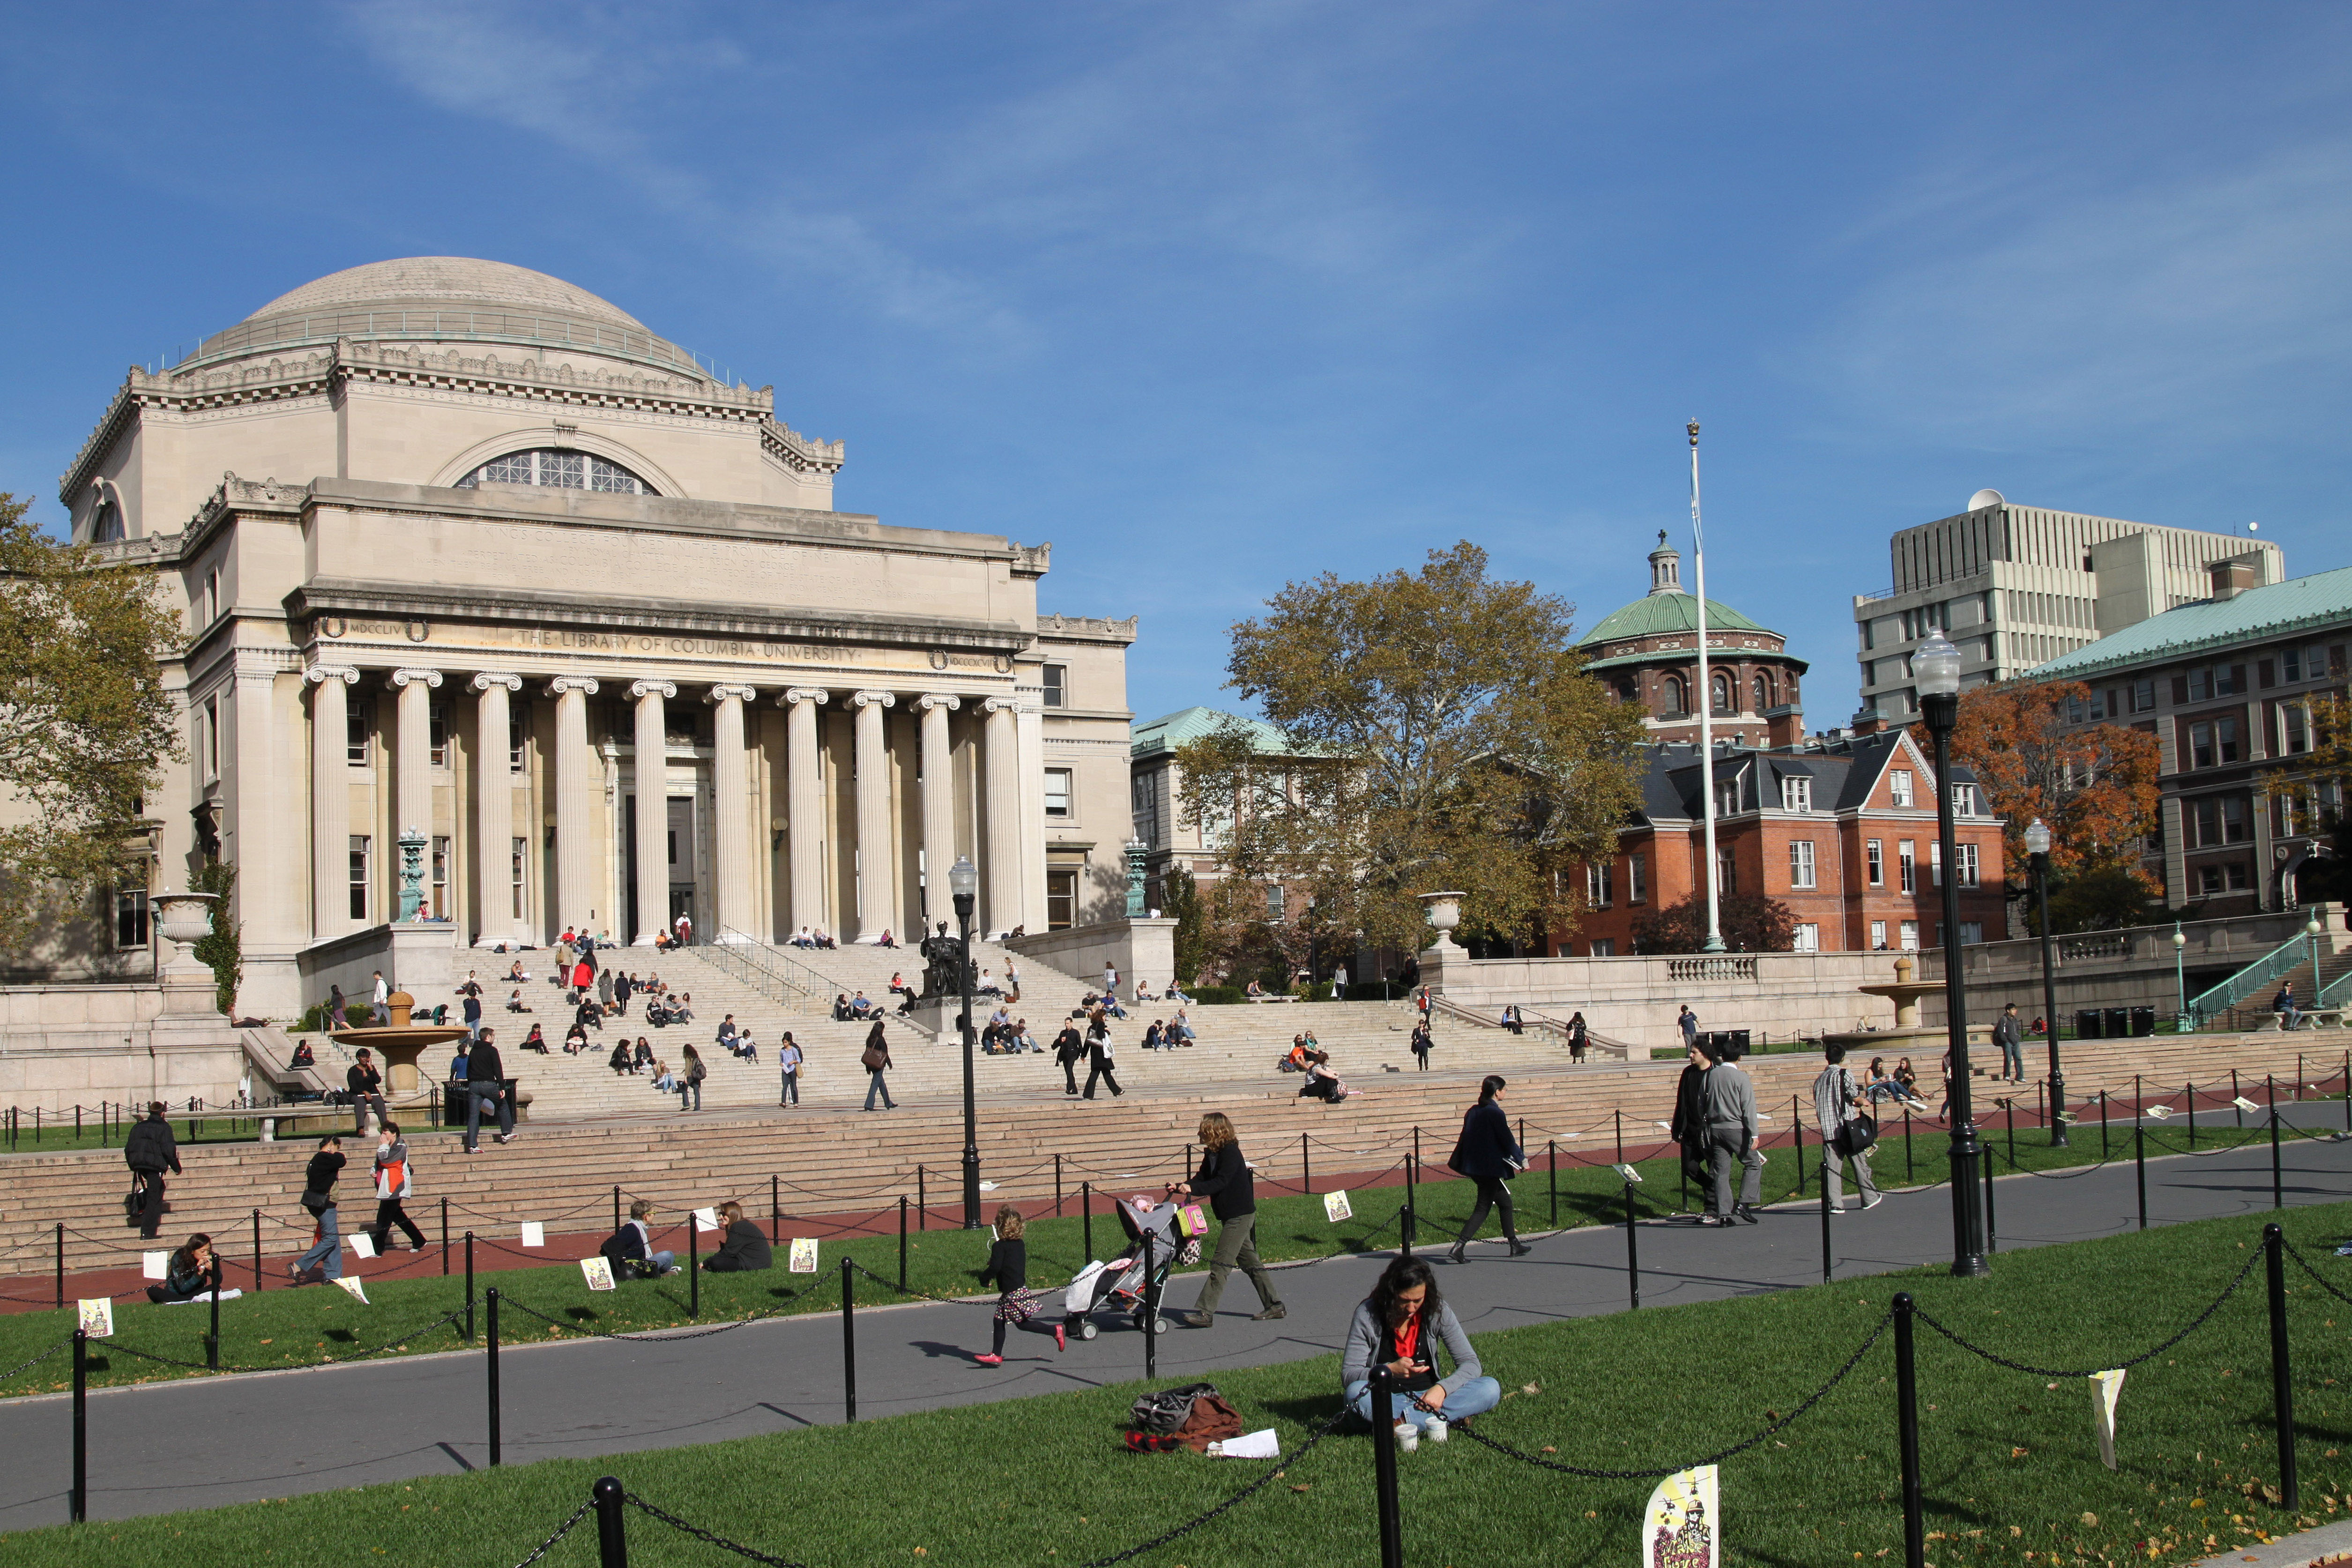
[546, 465]
[1797, 794]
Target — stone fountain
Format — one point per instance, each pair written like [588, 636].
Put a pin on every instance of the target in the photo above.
[1907, 1036]
[399, 1045]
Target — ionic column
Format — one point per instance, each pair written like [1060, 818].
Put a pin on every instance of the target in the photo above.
[411, 799]
[331, 798]
[1000, 760]
[803, 805]
[938, 807]
[494, 906]
[653, 809]
[576, 771]
[731, 789]
[878, 862]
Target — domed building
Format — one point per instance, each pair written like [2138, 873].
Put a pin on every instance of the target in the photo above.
[1648, 652]
[506, 615]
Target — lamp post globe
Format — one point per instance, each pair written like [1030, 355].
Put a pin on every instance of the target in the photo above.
[2037, 846]
[1936, 673]
[2180, 979]
[963, 888]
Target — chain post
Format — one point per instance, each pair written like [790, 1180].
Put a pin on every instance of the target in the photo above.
[212, 1339]
[490, 1378]
[2139, 1161]
[611, 1533]
[2278, 1191]
[469, 1286]
[902, 1243]
[776, 1210]
[848, 1347]
[1305, 1166]
[1617, 1120]
[257, 1252]
[1991, 1245]
[2236, 1094]
[1384, 1465]
[61, 1265]
[1797, 1138]
[445, 1238]
[1829, 1250]
[922, 1200]
[2188, 1092]
[2009, 1107]
[1087, 1217]
[2103, 1126]
[78, 1508]
[1906, 1406]
[693, 1265]
[1910, 1171]
[2282, 1373]
[1058, 1182]
[1633, 1251]
[1551, 1149]
[616, 1206]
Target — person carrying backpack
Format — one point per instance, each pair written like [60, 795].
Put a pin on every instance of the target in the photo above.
[690, 1082]
[150, 1151]
[875, 1060]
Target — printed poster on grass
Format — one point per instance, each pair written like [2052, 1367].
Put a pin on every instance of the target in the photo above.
[95, 1318]
[597, 1271]
[1336, 1207]
[803, 1255]
[1682, 1528]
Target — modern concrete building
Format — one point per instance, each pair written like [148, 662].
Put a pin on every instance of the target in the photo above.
[1648, 652]
[2226, 685]
[505, 614]
[2014, 586]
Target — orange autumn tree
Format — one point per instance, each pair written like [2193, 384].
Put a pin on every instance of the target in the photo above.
[2094, 785]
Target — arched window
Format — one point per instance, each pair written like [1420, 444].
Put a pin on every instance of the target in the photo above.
[559, 469]
[1721, 687]
[1763, 691]
[1675, 694]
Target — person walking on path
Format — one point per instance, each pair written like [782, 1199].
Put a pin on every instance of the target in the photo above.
[1099, 1057]
[326, 1253]
[1730, 1101]
[1419, 1045]
[788, 1058]
[486, 1094]
[367, 1087]
[1688, 1021]
[2010, 1035]
[150, 1151]
[875, 1060]
[1225, 1180]
[379, 1002]
[1688, 1127]
[393, 1186]
[1580, 1037]
[1008, 1271]
[1069, 1049]
[690, 1080]
[1846, 1129]
[1401, 1324]
[1490, 1156]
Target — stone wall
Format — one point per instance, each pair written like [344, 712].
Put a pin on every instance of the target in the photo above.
[65, 1045]
[1141, 950]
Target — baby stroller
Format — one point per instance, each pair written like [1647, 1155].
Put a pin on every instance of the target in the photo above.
[1118, 1285]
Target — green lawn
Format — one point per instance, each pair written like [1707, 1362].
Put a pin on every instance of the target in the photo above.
[2012, 1471]
[58, 1136]
[280, 1328]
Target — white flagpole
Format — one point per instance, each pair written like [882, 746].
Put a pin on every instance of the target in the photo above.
[1705, 696]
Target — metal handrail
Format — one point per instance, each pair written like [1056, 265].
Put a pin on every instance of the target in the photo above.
[766, 966]
[2336, 993]
[2280, 960]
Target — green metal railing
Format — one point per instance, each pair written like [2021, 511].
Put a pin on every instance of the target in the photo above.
[2280, 961]
[765, 969]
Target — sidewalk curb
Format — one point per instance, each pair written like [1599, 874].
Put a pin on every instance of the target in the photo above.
[2302, 1550]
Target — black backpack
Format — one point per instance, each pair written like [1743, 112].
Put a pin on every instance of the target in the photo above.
[1168, 1409]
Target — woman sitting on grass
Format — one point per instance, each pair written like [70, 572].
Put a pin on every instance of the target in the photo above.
[1401, 1324]
[193, 1270]
[744, 1250]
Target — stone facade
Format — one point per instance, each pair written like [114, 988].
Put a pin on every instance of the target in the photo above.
[540, 593]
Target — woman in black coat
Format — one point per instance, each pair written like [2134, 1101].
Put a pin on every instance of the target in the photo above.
[1489, 1155]
[743, 1249]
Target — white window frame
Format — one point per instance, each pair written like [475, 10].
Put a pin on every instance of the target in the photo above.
[360, 877]
[131, 909]
[518, 873]
[1906, 860]
[1637, 881]
[1910, 930]
[1808, 938]
[1875, 861]
[1054, 681]
[1877, 934]
[1069, 782]
[1796, 793]
[1899, 786]
[1803, 871]
[1968, 865]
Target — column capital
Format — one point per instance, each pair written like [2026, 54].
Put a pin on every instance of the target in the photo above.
[792, 695]
[664, 689]
[343, 673]
[431, 678]
[722, 691]
[563, 684]
[999, 704]
[930, 700]
[873, 699]
[486, 679]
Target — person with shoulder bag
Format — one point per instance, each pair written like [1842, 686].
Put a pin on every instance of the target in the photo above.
[150, 1151]
[324, 1260]
[1847, 1130]
[1101, 1057]
[691, 1082]
[875, 1060]
[1490, 1156]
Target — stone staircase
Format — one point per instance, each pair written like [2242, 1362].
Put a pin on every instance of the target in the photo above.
[2254, 1013]
[828, 1159]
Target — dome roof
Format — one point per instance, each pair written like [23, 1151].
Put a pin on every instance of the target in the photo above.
[421, 281]
[1659, 613]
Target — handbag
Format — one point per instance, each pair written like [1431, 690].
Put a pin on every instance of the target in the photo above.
[1857, 1134]
[874, 1058]
[318, 1202]
[1191, 1221]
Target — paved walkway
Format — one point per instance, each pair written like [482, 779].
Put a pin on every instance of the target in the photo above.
[208, 1441]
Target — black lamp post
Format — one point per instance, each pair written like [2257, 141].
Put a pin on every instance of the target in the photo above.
[963, 885]
[1935, 671]
[2037, 844]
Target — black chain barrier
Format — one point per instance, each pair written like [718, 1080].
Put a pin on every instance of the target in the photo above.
[2317, 1278]
[1315, 1435]
[634, 1500]
[1477, 1436]
[547, 1545]
[27, 1365]
[396, 1342]
[2199, 1321]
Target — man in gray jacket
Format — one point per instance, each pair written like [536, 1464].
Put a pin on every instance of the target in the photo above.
[2010, 1036]
[1836, 1108]
[1730, 1102]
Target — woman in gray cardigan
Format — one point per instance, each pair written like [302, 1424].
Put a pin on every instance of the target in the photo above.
[1397, 1324]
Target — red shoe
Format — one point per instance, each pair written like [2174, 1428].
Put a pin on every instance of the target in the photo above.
[990, 1360]
[1061, 1337]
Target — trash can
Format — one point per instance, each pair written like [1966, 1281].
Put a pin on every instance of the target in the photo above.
[2143, 1021]
[2118, 1023]
[1732, 1042]
[2087, 1025]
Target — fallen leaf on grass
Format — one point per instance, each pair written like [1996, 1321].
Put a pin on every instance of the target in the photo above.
[2091, 1519]
[1300, 1487]
[2017, 1454]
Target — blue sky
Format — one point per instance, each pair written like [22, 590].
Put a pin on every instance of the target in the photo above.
[1214, 296]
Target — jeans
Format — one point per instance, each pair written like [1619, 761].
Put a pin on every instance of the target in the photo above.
[1494, 1192]
[874, 1085]
[389, 1213]
[1729, 1143]
[2012, 1059]
[791, 1091]
[690, 1087]
[490, 1098]
[662, 1262]
[1237, 1248]
[329, 1249]
[1474, 1397]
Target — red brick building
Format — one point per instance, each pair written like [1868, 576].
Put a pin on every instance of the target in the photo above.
[1647, 653]
[1842, 829]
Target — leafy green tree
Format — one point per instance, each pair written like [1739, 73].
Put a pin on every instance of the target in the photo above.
[1180, 900]
[85, 722]
[222, 947]
[1751, 924]
[1439, 734]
